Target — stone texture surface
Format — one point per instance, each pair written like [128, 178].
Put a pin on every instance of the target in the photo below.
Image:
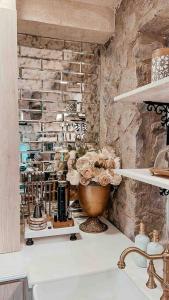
[71, 69]
[136, 134]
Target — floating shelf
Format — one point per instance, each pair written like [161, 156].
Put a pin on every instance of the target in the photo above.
[43, 162]
[156, 92]
[39, 121]
[145, 176]
[37, 100]
[39, 142]
[30, 151]
[41, 111]
[54, 131]
[48, 152]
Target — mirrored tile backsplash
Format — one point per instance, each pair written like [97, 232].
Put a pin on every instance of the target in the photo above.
[58, 96]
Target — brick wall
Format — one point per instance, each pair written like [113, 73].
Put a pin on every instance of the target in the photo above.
[65, 72]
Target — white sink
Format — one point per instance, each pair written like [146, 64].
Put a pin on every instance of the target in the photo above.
[109, 285]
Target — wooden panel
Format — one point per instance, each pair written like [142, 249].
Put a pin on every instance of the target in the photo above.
[9, 133]
[12, 291]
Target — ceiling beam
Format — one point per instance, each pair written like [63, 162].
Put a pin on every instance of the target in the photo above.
[66, 20]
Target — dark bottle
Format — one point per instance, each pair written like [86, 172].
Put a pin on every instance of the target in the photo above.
[55, 216]
[62, 199]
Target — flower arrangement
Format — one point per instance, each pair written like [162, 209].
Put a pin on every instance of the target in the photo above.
[93, 166]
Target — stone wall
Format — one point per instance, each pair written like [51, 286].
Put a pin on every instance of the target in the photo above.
[63, 72]
[137, 135]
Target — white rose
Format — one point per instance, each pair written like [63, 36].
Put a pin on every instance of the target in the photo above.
[72, 154]
[73, 177]
[116, 179]
[117, 162]
[108, 152]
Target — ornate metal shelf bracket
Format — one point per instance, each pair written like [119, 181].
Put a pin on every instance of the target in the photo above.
[163, 110]
[160, 109]
[164, 192]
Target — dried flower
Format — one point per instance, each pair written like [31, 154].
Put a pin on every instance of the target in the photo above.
[110, 164]
[87, 172]
[92, 155]
[111, 172]
[117, 162]
[70, 163]
[84, 181]
[72, 154]
[94, 167]
[104, 179]
[108, 153]
[100, 163]
[73, 177]
[81, 162]
[97, 171]
[116, 179]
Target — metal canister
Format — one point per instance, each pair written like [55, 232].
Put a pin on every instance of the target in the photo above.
[160, 64]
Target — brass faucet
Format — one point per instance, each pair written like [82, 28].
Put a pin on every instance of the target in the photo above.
[151, 269]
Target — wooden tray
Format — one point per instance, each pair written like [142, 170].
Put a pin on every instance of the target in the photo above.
[68, 223]
[160, 172]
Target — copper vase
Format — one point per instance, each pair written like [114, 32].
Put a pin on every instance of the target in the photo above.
[93, 199]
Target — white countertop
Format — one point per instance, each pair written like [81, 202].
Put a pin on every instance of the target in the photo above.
[50, 259]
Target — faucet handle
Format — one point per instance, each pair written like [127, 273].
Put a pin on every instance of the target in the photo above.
[151, 271]
[121, 264]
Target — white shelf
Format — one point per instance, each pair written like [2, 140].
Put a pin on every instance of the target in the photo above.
[145, 176]
[39, 121]
[157, 91]
[37, 100]
[50, 232]
[38, 142]
[42, 162]
[41, 110]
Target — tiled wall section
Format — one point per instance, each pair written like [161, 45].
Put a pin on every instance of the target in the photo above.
[69, 69]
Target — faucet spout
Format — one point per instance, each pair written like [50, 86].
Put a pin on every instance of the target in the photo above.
[121, 264]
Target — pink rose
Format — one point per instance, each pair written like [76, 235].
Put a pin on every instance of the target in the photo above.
[97, 171]
[81, 162]
[104, 179]
[111, 172]
[87, 173]
[70, 164]
[110, 164]
[116, 179]
[84, 181]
